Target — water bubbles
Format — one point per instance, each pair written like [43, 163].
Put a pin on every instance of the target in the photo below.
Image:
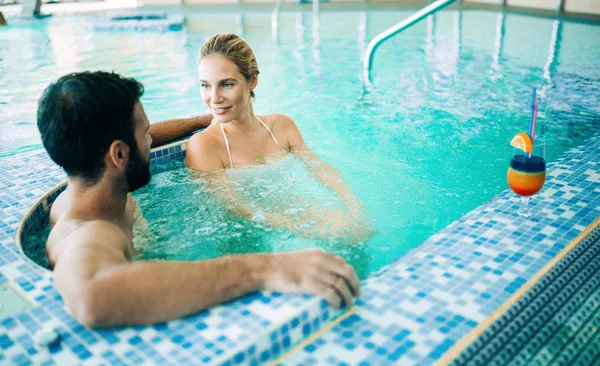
[259, 217]
[293, 211]
[205, 231]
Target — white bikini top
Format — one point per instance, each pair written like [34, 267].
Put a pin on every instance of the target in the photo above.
[227, 141]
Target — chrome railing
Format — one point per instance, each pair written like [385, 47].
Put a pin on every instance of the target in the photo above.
[277, 10]
[275, 18]
[415, 18]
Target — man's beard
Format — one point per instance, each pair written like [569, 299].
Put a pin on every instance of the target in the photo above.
[138, 171]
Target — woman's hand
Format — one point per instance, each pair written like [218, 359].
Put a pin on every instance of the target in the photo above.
[323, 222]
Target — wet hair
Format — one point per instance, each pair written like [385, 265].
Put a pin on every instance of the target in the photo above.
[82, 114]
[234, 48]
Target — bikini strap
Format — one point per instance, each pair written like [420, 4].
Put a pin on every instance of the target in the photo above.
[271, 133]
[227, 145]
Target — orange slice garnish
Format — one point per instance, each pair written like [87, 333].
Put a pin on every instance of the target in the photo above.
[522, 141]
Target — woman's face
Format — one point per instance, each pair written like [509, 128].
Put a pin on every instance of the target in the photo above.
[224, 89]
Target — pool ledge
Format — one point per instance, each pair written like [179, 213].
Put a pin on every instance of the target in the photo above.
[411, 311]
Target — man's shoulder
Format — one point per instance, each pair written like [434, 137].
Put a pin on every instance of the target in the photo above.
[99, 226]
[58, 207]
[68, 234]
[89, 231]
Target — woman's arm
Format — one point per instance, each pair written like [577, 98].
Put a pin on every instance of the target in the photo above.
[352, 224]
[324, 172]
[204, 159]
[164, 132]
[330, 178]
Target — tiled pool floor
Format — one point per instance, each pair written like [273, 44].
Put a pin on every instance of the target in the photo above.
[410, 312]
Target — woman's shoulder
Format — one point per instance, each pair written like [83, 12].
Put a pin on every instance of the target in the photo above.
[205, 150]
[276, 119]
[278, 122]
[208, 137]
[207, 141]
[284, 128]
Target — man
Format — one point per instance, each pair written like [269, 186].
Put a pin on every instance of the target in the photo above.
[94, 126]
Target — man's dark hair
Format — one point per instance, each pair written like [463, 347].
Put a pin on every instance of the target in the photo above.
[80, 116]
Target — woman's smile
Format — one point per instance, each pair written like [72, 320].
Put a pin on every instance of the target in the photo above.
[220, 110]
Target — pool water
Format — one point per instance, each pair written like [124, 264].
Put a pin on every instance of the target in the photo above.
[191, 221]
[425, 145]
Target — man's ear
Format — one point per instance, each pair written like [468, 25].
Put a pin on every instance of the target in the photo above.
[118, 154]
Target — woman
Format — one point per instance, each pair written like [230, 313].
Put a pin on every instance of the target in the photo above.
[238, 138]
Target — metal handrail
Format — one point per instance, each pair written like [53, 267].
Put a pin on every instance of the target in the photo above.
[275, 18]
[277, 10]
[390, 32]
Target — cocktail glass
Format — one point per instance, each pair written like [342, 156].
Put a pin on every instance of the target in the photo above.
[527, 173]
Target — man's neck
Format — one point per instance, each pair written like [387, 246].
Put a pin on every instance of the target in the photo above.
[102, 200]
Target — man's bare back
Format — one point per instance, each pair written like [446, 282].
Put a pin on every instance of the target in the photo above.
[65, 223]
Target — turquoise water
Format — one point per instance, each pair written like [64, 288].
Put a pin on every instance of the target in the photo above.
[426, 145]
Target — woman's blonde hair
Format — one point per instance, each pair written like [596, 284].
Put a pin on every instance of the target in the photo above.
[234, 48]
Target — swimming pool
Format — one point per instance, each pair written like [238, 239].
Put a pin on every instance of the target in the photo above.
[426, 145]
[411, 311]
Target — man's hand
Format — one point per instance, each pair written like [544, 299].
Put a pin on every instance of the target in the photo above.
[312, 271]
[167, 131]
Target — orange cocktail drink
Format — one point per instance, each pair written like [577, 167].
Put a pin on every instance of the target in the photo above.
[526, 175]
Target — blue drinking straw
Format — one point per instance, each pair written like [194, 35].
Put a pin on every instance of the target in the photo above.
[532, 120]
[532, 115]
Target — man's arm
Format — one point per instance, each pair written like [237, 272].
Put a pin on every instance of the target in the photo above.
[103, 289]
[166, 131]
